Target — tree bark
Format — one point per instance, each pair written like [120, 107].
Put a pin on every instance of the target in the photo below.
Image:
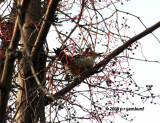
[8, 66]
[30, 101]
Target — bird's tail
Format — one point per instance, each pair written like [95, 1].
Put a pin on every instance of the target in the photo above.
[61, 55]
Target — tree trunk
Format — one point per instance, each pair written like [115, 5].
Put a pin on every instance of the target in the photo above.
[30, 101]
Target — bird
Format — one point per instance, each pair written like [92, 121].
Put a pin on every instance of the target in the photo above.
[76, 64]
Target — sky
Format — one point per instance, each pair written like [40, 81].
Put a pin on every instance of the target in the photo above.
[144, 73]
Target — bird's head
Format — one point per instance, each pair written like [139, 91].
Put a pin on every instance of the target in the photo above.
[92, 54]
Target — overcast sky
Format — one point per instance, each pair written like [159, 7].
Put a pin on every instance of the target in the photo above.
[144, 72]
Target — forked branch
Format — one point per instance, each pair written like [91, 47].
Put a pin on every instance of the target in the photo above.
[104, 62]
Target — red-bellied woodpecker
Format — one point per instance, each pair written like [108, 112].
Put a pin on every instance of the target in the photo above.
[76, 64]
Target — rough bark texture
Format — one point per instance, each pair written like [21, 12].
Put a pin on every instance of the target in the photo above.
[8, 66]
[30, 98]
[30, 102]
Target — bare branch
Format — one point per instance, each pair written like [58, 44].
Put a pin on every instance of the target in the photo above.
[104, 62]
[30, 61]
[45, 28]
[9, 61]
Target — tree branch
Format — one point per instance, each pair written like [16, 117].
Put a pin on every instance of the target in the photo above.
[9, 61]
[104, 62]
[30, 61]
[45, 28]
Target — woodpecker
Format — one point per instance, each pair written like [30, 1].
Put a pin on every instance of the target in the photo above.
[76, 64]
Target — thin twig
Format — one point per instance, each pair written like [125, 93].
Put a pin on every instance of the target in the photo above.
[104, 62]
[30, 61]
